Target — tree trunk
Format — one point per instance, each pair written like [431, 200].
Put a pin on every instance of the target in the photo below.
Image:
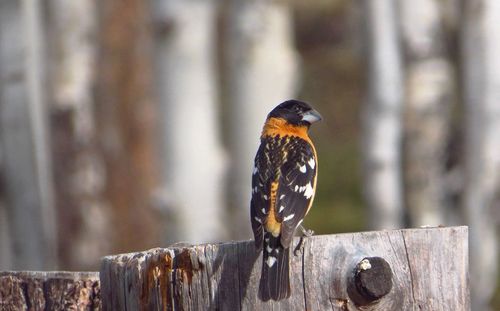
[24, 136]
[481, 79]
[261, 72]
[125, 119]
[426, 112]
[193, 162]
[78, 165]
[382, 116]
[5, 241]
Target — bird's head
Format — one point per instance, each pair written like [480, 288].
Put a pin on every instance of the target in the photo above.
[295, 113]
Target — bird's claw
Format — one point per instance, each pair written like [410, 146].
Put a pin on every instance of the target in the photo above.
[300, 247]
[306, 232]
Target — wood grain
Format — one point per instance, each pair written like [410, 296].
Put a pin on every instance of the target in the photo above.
[429, 266]
[49, 291]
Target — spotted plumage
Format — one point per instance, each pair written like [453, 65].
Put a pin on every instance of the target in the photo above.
[283, 186]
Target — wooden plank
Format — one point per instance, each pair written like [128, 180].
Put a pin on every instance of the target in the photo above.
[330, 262]
[438, 259]
[49, 291]
[226, 276]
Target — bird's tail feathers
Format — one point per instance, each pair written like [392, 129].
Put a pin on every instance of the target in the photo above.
[275, 278]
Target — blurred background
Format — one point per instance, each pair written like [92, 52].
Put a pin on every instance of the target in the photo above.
[129, 124]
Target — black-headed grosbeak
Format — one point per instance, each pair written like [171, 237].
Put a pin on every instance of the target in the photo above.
[283, 187]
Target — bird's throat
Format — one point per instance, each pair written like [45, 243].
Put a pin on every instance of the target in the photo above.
[280, 127]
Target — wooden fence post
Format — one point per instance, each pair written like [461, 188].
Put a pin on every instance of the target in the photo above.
[410, 269]
[49, 291]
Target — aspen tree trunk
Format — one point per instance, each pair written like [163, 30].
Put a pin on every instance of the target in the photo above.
[426, 111]
[481, 79]
[261, 72]
[27, 175]
[78, 165]
[382, 116]
[192, 172]
[5, 253]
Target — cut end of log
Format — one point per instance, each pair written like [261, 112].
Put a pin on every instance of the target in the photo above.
[372, 280]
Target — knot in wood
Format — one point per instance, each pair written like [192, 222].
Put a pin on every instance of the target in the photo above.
[372, 280]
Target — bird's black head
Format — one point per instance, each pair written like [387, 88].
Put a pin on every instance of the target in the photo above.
[296, 113]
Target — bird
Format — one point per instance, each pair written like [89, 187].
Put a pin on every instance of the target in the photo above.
[283, 187]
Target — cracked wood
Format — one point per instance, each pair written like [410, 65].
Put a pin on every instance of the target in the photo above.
[55, 290]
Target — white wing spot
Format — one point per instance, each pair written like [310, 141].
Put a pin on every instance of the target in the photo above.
[281, 209]
[296, 188]
[257, 219]
[303, 168]
[309, 191]
[287, 218]
[264, 197]
[255, 170]
[269, 249]
[270, 261]
[263, 210]
[311, 163]
[282, 196]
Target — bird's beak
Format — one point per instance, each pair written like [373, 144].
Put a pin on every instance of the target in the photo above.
[311, 116]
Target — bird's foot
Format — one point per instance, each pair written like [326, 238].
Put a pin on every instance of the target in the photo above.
[300, 247]
[306, 232]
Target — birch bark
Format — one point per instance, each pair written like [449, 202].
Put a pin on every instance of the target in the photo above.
[193, 166]
[426, 112]
[381, 116]
[27, 174]
[481, 80]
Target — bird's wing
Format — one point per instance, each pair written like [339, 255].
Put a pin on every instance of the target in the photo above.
[296, 187]
[259, 203]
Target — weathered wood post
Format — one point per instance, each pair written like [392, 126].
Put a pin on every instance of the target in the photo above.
[49, 290]
[410, 269]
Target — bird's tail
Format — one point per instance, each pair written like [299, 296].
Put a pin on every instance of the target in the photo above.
[274, 279]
